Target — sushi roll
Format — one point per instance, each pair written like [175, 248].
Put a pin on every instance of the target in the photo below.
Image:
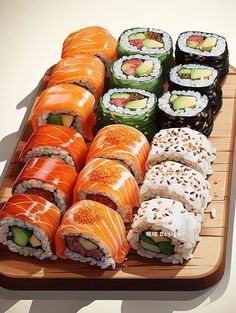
[178, 182]
[84, 70]
[49, 178]
[94, 40]
[94, 233]
[196, 77]
[180, 108]
[28, 224]
[58, 142]
[137, 71]
[109, 183]
[147, 41]
[164, 229]
[131, 107]
[124, 144]
[66, 105]
[183, 145]
[204, 48]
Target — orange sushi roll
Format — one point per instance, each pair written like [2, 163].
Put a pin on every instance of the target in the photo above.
[54, 141]
[124, 144]
[66, 105]
[92, 232]
[84, 70]
[49, 178]
[94, 40]
[28, 224]
[110, 183]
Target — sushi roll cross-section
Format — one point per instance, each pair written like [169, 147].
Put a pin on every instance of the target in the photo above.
[124, 144]
[28, 224]
[94, 233]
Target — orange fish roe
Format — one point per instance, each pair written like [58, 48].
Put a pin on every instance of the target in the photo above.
[89, 215]
[105, 174]
[122, 136]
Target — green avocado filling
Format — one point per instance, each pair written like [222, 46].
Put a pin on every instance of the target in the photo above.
[162, 246]
[24, 237]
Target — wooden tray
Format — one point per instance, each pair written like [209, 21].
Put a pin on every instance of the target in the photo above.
[137, 273]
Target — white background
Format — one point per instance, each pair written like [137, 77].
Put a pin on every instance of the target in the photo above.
[31, 37]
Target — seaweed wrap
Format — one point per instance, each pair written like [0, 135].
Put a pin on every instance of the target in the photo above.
[203, 48]
[164, 229]
[92, 233]
[123, 144]
[137, 71]
[28, 225]
[147, 41]
[109, 183]
[183, 145]
[132, 107]
[196, 77]
[180, 108]
[179, 182]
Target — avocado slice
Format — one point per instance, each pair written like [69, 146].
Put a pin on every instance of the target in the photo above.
[118, 95]
[184, 102]
[55, 119]
[137, 36]
[166, 247]
[21, 236]
[144, 69]
[208, 44]
[150, 247]
[137, 104]
[87, 244]
[173, 97]
[150, 43]
[192, 44]
[197, 73]
[184, 70]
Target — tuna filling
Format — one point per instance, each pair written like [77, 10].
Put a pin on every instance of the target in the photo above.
[102, 199]
[47, 195]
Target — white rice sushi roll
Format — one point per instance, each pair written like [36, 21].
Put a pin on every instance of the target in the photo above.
[183, 145]
[178, 182]
[163, 229]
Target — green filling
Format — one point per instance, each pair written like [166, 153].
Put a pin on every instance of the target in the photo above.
[21, 236]
[148, 243]
[55, 119]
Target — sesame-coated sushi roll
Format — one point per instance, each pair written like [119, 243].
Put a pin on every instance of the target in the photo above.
[66, 105]
[109, 183]
[124, 144]
[196, 77]
[203, 48]
[84, 70]
[94, 233]
[183, 145]
[28, 224]
[94, 40]
[54, 141]
[50, 178]
[179, 182]
[132, 107]
[137, 71]
[180, 108]
[163, 229]
[147, 41]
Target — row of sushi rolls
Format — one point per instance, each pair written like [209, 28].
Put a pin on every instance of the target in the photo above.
[119, 157]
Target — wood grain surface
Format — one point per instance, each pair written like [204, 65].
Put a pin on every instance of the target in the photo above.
[137, 273]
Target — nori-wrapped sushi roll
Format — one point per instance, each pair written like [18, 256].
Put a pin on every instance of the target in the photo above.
[132, 107]
[147, 41]
[137, 71]
[180, 108]
[196, 77]
[203, 48]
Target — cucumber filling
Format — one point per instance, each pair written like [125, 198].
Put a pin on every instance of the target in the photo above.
[61, 119]
[24, 237]
[158, 244]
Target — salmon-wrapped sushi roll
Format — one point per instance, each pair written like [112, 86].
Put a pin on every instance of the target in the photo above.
[49, 178]
[94, 40]
[28, 224]
[92, 232]
[58, 142]
[124, 144]
[66, 105]
[84, 70]
[110, 183]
